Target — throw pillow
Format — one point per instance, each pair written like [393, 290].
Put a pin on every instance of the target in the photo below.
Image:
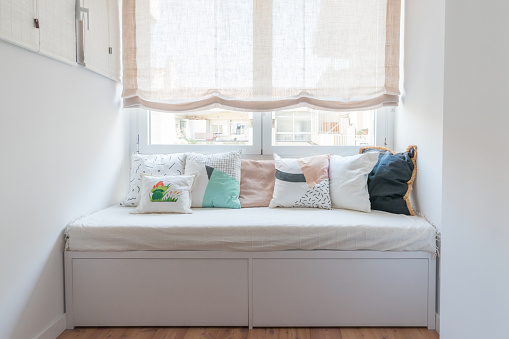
[349, 181]
[257, 182]
[151, 164]
[169, 194]
[218, 181]
[391, 180]
[302, 182]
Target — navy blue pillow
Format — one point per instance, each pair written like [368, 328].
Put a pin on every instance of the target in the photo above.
[391, 180]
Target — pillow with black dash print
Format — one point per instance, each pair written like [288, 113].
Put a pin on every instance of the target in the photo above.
[155, 165]
[302, 182]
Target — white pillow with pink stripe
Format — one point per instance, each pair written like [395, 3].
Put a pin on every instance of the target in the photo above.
[302, 182]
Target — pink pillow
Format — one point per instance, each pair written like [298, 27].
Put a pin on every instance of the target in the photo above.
[257, 178]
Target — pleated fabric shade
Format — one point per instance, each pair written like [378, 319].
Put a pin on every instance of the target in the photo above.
[261, 55]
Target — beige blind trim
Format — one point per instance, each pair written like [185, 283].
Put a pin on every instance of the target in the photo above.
[307, 56]
[392, 46]
[129, 55]
[262, 106]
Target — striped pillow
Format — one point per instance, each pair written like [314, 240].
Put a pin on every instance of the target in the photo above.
[302, 182]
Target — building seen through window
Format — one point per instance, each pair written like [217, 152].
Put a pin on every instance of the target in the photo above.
[299, 127]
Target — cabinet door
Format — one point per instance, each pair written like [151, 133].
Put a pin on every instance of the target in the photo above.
[340, 292]
[17, 23]
[57, 29]
[96, 36]
[159, 292]
[114, 39]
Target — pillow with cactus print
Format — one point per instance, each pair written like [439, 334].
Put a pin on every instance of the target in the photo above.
[168, 194]
[151, 164]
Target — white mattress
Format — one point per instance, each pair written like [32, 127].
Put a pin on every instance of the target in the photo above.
[250, 229]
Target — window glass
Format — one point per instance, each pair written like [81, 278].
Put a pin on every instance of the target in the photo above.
[212, 127]
[323, 128]
[296, 132]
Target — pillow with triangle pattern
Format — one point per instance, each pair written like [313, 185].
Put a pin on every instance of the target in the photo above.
[218, 180]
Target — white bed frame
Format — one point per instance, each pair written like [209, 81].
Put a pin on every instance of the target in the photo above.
[255, 289]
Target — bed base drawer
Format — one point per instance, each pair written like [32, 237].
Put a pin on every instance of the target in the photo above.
[340, 292]
[160, 292]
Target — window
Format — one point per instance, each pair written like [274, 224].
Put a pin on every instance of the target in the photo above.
[292, 132]
[308, 76]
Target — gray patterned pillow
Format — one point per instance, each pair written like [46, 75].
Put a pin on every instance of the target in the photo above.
[155, 165]
[218, 181]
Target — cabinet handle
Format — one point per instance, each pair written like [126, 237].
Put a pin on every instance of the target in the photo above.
[87, 12]
[36, 14]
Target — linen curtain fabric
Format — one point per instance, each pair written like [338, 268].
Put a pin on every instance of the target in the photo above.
[261, 55]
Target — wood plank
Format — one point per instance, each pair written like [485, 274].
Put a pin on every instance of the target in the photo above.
[287, 333]
[303, 333]
[257, 333]
[140, 332]
[429, 334]
[201, 333]
[272, 333]
[111, 333]
[244, 333]
[325, 333]
[82, 333]
[170, 333]
[386, 333]
[264, 333]
[356, 333]
[410, 333]
[233, 333]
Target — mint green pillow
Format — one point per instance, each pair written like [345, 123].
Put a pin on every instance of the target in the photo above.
[218, 180]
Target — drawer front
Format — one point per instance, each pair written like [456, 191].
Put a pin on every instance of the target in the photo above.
[340, 292]
[160, 292]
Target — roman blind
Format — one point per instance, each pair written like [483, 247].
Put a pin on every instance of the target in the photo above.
[261, 55]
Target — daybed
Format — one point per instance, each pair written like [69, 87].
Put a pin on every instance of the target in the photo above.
[251, 267]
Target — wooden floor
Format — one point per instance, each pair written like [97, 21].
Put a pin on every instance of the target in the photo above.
[244, 333]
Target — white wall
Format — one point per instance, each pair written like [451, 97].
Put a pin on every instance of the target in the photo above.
[475, 228]
[65, 151]
[419, 118]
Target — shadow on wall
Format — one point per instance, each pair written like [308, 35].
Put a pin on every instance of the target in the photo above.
[52, 268]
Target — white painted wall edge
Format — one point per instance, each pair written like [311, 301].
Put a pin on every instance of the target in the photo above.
[437, 323]
[53, 330]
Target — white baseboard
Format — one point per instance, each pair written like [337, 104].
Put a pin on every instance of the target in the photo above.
[53, 330]
[437, 323]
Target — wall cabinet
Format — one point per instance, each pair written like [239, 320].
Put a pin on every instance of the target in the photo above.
[100, 24]
[86, 32]
[43, 26]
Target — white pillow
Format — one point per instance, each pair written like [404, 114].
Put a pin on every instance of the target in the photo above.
[151, 164]
[301, 182]
[169, 194]
[349, 181]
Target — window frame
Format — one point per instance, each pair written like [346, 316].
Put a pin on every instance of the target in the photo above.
[262, 141]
